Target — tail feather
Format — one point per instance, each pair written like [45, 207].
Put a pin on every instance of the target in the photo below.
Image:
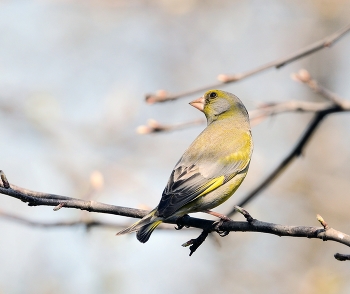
[143, 227]
[145, 231]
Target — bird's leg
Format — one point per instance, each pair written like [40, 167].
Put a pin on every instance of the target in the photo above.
[223, 218]
[178, 225]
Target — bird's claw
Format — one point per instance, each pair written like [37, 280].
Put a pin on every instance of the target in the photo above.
[223, 233]
[218, 224]
[180, 226]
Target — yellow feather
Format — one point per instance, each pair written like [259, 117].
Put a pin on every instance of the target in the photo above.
[156, 224]
[212, 185]
[241, 155]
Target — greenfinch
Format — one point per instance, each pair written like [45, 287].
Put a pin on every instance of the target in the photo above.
[210, 170]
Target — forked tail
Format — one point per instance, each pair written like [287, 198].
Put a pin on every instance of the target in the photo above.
[143, 227]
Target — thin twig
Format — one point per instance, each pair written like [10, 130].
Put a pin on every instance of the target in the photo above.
[162, 96]
[322, 222]
[305, 77]
[341, 257]
[4, 180]
[264, 111]
[153, 126]
[245, 213]
[195, 243]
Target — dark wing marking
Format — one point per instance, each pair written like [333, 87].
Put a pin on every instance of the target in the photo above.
[184, 185]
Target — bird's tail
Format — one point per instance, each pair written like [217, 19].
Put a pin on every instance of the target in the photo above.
[143, 227]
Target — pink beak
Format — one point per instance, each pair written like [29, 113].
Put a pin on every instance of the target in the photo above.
[198, 103]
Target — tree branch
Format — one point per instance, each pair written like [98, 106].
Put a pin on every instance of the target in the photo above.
[252, 225]
[37, 199]
[163, 96]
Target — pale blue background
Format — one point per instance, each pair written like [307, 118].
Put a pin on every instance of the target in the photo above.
[73, 75]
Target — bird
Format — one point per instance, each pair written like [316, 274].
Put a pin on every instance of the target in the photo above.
[210, 170]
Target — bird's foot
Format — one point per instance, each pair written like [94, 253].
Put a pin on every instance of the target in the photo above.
[179, 226]
[218, 224]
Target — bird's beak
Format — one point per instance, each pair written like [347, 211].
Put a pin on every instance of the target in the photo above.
[198, 103]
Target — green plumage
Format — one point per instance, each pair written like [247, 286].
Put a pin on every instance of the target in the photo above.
[211, 169]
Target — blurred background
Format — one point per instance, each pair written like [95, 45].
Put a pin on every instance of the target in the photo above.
[73, 75]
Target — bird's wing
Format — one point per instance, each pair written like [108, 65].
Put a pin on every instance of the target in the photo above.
[190, 181]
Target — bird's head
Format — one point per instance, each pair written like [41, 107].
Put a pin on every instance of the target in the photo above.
[217, 105]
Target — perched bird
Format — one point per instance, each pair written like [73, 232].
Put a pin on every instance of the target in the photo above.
[211, 169]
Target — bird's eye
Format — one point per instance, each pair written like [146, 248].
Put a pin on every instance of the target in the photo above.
[213, 95]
